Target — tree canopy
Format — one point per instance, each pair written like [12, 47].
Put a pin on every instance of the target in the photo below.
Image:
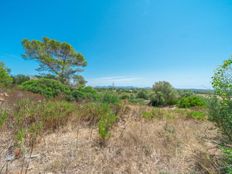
[222, 79]
[164, 94]
[57, 58]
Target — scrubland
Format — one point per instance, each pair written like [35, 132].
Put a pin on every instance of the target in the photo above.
[107, 136]
[55, 123]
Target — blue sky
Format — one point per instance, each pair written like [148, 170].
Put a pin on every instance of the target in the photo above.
[128, 42]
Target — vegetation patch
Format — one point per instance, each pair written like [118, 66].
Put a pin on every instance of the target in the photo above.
[191, 101]
[164, 94]
[5, 78]
[33, 118]
[227, 151]
[84, 93]
[46, 87]
[197, 115]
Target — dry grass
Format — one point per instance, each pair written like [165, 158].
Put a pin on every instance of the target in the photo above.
[136, 146]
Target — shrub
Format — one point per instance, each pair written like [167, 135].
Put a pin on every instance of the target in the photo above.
[84, 93]
[20, 78]
[185, 93]
[197, 115]
[56, 113]
[157, 99]
[105, 123]
[158, 113]
[220, 112]
[46, 87]
[227, 167]
[220, 106]
[164, 94]
[5, 78]
[124, 96]
[150, 115]
[142, 94]
[3, 117]
[33, 118]
[191, 101]
[110, 98]
[101, 114]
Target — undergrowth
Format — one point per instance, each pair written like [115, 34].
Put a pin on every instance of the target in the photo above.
[159, 113]
[29, 119]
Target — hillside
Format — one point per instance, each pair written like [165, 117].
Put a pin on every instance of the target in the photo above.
[173, 144]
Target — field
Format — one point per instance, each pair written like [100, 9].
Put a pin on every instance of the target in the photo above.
[142, 139]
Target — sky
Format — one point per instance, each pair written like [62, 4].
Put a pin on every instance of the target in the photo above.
[125, 42]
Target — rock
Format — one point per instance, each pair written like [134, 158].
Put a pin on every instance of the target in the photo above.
[10, 157]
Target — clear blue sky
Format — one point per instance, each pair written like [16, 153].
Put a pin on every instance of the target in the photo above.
[128, 42]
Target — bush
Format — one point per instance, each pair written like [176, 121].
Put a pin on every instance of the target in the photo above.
[220, 106]
[220, 112]
[84, 93]
[164, 94]
[185, 93]
[3, 118]
[142, 95]
[56, 113]
[108, 118]
[5, 78]
[191, 101]
[33, 118]
[101, 114]
[124, 96]
[150, 115]
[227, 167]
[110, 98]
[157, 99]
[197, 115]
[46, 87]
[20, 78]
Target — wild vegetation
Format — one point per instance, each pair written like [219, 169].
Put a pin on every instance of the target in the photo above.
[74, 128]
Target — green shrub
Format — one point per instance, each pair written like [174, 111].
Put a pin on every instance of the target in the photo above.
[33, 118]
[46, 87]
[158, 113]
[105, 123]
[110, 98]
[220, 106]
[20, 136]
[220, 112]
[185, 93]
[142, 94]
[149, 115]
[5, 78]
[157, 99]
[197, 115]
[84, 93]
[124, 96]
[227, 151]
[101, 114]
[3, 117]
[164, 94]
[26, 112]
[56, 113]
[191, 101]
